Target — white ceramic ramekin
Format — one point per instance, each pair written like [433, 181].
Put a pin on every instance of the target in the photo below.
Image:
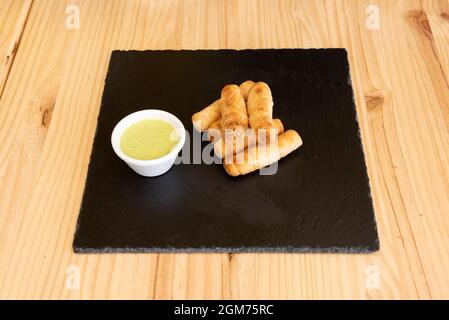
[155, 167]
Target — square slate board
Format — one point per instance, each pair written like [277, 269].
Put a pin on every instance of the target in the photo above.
[318, 201]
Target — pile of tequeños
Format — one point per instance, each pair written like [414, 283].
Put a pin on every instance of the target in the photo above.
[242, 128]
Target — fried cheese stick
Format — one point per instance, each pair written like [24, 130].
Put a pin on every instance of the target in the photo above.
[202, 120]
[261, 155]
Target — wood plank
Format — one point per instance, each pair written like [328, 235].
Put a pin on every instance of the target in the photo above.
[48, 116]
[423, 128]
[13, 17]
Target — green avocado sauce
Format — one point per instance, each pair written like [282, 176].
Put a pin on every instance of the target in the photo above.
[149, 139]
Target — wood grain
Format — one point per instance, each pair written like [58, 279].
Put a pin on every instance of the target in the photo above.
[13, 17]
[51, 99]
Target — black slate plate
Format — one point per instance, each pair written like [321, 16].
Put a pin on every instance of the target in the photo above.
[318, 201]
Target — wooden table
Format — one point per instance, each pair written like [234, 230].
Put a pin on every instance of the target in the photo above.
[51, 82]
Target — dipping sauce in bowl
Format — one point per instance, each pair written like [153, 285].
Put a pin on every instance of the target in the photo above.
[149, 139]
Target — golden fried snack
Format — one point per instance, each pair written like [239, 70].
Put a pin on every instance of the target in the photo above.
[245, 87]
[215, 131]
[223, 150]
[203, 119]
[262, 155]
[260, 107]
[234, 120]
[279, 126]
[233, 109]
